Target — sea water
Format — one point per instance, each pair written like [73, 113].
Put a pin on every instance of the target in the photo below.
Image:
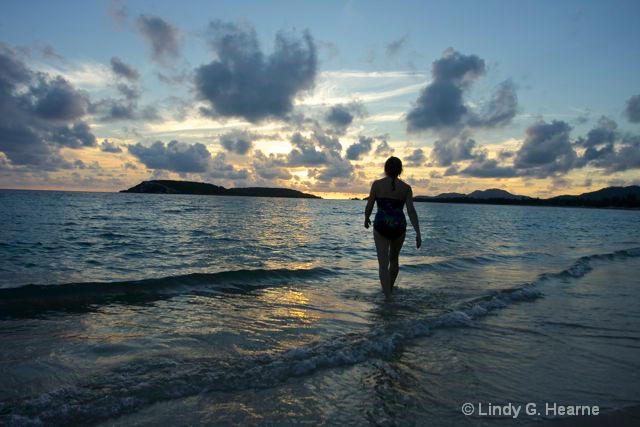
[147, 309]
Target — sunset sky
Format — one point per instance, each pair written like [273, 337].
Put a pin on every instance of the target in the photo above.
[538, 98]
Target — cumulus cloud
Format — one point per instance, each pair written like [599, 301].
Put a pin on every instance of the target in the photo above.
[383, 148]
[220, 169]
[546, 150]
[341, 116]
[305, 152]
[336, 168]
[607, 148]
[632, 111]
[39, 114]
[237, 142]
[162, 38]
[175, 156]
[417, 158]
[123, 70]
[360, 148]
[501, 108]
[244, 82]
[445, 153]
[109, 147]
[482, 167]
[441, 106]
[270, 167]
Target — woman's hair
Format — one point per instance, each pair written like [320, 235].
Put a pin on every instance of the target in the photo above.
[393, 168]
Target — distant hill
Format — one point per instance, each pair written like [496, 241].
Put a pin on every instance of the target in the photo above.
[619, 197]
[203, 188]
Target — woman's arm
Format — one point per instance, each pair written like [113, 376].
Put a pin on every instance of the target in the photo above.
[413, 216]
[369, 208]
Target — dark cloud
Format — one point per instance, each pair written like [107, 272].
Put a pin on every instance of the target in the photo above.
[360, 148]
[57, 100]
[600, 140]
[39, 115]
[546, 150]
[220, 169]
[76, 136]
[341, 116]
[336, 168]
[161, 36]
[237, 142]
[383, 148]
[632, 111]
[445, 153]
[244, 82]
[487, 168]
[394, 47]
[501, 108]
[270, 167]
[304, 152]
[440, 106]
[121, 69]
[607, 148]
[417, 158]
[109, 147]
[175, 156]
[457, 68]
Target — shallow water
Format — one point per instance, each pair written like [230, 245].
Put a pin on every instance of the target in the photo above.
[135, 308]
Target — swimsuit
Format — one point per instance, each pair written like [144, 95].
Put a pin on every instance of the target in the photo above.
[390, 220]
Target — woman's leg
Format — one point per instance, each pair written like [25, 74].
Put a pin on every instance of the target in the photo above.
[394, 255]
[382, 248]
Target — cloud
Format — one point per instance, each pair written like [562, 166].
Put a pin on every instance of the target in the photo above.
[340, 116]
[109, 147]
[162, 38]
[57, 100]
[175, 156]
[118, 12]
[606, 148]
[304, 152]
[394, 47]
[501, 108]
[270, 167]
[121, 69]
[244, 82]
[483, 167]
[440, 104]
[337, 168]
[360, 148]
[383, 149]
[445, 153]
[546, 150]
[237, 142]
[632, 111]
[417, 158]
[39, 115]
[220, 169]
[441, 107]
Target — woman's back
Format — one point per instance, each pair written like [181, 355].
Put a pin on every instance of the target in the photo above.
[386, 188]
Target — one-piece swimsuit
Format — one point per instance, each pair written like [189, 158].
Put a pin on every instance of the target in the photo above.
[390, 220]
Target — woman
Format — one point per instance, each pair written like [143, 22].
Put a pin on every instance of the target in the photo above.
[389, 225]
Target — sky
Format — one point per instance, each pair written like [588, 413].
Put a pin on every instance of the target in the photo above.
[539, 98]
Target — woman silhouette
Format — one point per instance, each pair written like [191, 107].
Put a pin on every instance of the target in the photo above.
[389, 225]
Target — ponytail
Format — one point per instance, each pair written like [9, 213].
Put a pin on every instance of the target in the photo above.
[393, 183]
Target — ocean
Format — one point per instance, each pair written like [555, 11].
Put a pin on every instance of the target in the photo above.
[146, 309]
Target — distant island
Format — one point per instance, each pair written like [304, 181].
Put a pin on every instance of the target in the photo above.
[203, 188]
[610, 197]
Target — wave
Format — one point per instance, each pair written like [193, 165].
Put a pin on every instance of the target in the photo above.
[144, 382]
[28, 300]
[461, 263]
